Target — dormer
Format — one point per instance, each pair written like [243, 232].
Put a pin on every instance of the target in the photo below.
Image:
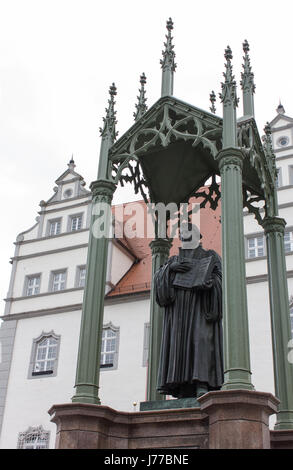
[282, 131]
[69, 185]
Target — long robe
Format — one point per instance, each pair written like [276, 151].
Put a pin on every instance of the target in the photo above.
[191, 348]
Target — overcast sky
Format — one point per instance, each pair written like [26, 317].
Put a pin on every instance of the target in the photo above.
[58, 58]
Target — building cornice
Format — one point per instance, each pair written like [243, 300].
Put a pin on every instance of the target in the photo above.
[58, 209]
[42, 294]
[49, 252]
[49, 237]
[264, 278]
[74, 307]
[290, 147]
[284, 157]
[282, 128]
[288, 186]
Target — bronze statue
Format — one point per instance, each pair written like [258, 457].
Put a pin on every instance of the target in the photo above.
[189, 286]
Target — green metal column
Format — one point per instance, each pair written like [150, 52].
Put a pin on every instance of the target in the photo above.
[247, 83]
[88, 364]
[236, 336]
[160, 253]
[280, 319]
[237, 374]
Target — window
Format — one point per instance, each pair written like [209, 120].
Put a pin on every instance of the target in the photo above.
[279, 177]
[146, 343]
[58, 281]
[283, 141]
[54, 227]
[81, 273]
[288, 240]
[68, 193]
[34, 438]
[44, 355]
[255, 247]
[109, 347]
[75, 222]
[32, 284]
[291, 315]
[291, 175]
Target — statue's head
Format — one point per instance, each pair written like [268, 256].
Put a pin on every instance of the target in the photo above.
[189, 235]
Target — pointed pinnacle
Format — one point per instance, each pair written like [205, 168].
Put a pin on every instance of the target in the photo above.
[245, 46]
[213, 100]
[247, 76]
[141, 106]
[168, 54]
[228, 95]
[110, 119]
[228, 54]
[268, 129]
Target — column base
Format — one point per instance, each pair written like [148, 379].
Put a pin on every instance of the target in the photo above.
[238, 419]
[284, 420]
[86, 393]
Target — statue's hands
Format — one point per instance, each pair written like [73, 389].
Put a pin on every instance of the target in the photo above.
[180, 266]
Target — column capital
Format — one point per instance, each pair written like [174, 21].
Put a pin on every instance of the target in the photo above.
[104, 188]
[161, 245]
[274, 224]
[230, 156]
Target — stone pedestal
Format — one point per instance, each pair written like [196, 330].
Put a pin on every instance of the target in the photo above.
[282, 439]
[87, 426]
[239, 419]
[228, 419]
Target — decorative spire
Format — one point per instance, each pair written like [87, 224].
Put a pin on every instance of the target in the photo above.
[168, 62]
[247, 82]
[230, 101]
[228, 96]
[108, 134]
[141, 106]
[110, 122]
[71, 165]
[280, 109]
[213, 100]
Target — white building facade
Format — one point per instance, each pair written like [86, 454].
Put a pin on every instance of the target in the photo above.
[40, 332]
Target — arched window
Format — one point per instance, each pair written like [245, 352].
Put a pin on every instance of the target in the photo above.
[34, 438]
[44, 357]
[109, 347]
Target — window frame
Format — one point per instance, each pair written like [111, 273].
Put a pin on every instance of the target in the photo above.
[254, 237]
[31, 431]
[290, 241]
[52, 221]
[26, 281]
[146, 343]
[279, 179]
[290, 174]
[77, 277]
[73, 216]
[291, 314]
[116, 330]
[32, 374]
[51, 281]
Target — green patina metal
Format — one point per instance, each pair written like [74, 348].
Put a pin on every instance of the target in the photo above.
[168, 154]
[160, 253]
